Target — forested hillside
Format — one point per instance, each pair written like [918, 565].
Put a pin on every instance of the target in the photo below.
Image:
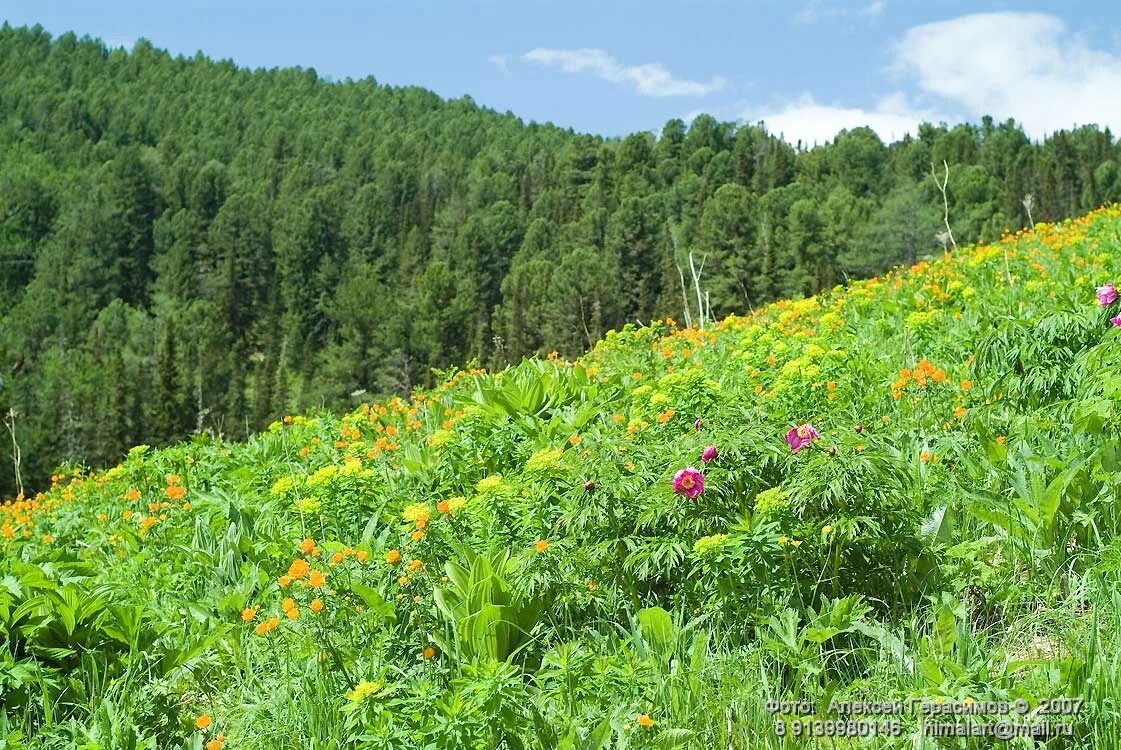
[190, 246]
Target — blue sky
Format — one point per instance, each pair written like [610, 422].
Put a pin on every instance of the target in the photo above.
[806, 67]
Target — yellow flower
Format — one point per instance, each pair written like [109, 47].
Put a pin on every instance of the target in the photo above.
[544, 459]
[316, 605]
[644, 721]
[203, 722]
[307, 505]
[490, 483]
[826, 529]
[322, 476]
[363, 690]
[392, 556]
[541, 545]
[708, 544]
[248, 614]
[416, 512]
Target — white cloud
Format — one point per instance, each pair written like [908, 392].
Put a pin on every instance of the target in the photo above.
[1022, 65]
[501, 62]
[874, 8]
[651, 79]
[810, 122]
[814, 11]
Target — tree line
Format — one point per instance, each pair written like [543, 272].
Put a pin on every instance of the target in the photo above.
[186, 245]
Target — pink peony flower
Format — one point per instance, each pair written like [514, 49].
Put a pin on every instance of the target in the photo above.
[709, 453]
[1116, 321]
[1107, 295]
[689, 482]
[801, 436]
[698, 424]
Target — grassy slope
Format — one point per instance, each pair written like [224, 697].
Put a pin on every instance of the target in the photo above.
[961, 543]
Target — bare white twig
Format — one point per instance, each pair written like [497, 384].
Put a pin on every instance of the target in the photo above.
[10, 423]
[942, 184]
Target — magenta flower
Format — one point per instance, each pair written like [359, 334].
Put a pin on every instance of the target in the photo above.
[709, 453]
[698, 424]
[1107, 295]
[1116, 321]
[801, 436]
[689, 482]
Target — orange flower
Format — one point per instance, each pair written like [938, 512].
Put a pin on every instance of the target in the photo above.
[216, 743]
[316, 605]
[307, 546]
[362, 556]
[283, 581]
[173, 479]
[175, 492]
[288, 603]
[541, 545]
[1000, 439]
[132, 494]
[317, 578]
[574, 439]
[298, 569]
[203, 721]
[392, 556]
[416, 565]
[443, 507]
[428, 653]
[336, 558]
[966, 385]
[267, 626]
[644, 721]
[293, 614]
[417, 536]
[248, 614]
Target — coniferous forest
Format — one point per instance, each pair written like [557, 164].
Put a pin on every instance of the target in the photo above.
[186, 245]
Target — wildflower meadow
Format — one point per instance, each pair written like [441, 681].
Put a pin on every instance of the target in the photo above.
[905, 489]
